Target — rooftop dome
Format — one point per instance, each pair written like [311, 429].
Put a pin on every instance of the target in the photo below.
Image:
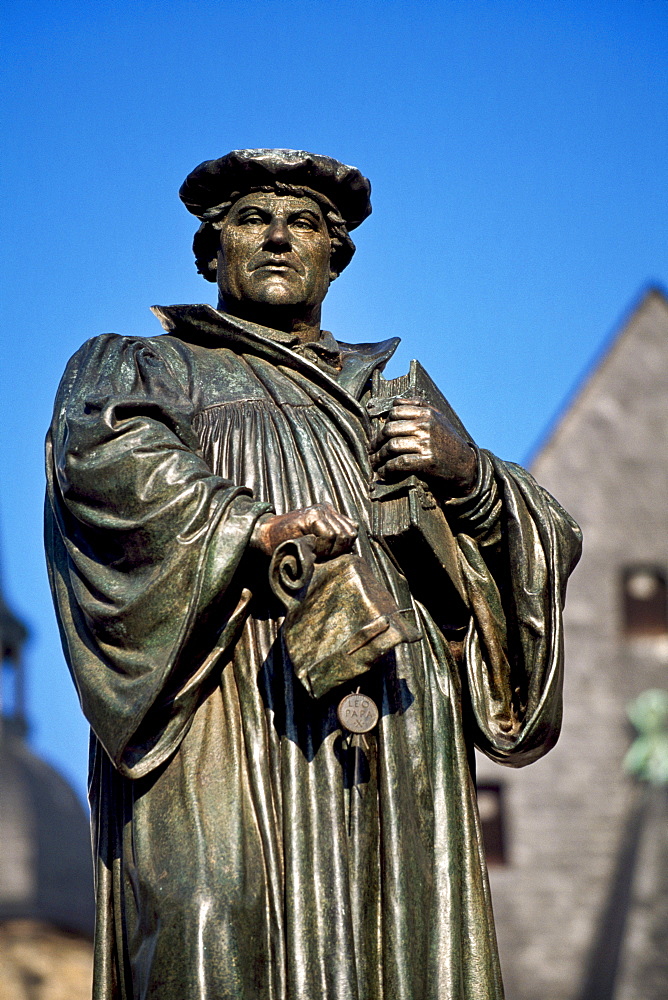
[45, 856]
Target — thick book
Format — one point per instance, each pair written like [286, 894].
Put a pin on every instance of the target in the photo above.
[408, 515]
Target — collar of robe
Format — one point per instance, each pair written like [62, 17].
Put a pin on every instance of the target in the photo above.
[350, 372]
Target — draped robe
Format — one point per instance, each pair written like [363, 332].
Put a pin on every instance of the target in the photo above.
[243, 849]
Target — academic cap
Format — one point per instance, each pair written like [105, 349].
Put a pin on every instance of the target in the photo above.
[217, 182]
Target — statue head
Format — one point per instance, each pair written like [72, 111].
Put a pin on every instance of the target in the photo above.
[275, 228]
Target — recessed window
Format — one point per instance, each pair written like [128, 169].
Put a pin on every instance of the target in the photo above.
[644, 601]
[490, 807]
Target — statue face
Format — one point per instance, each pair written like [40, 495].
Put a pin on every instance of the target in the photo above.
[274, 251]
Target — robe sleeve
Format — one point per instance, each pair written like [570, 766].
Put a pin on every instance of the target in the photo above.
[517, 547]
[144, 546]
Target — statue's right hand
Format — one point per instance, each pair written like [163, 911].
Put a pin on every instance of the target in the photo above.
[334, 533]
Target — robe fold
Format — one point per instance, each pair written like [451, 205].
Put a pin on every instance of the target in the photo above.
[243, 848]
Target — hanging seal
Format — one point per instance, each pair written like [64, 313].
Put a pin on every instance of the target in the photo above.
[358, 713]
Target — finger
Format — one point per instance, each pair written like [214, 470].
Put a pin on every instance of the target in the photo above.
[323, 533]
[322, 546]
[326, 534]
[335, 533]
[409, 411]
[321, 525]
[331, 544]
[344, 532]
[344, 523]
[402, 442]
[329, 510]
[341, 542]
[326, 518]
[399, 446]
[340, 523]
[345, 538]
[406, 464]
[402, 428]
[340, 545]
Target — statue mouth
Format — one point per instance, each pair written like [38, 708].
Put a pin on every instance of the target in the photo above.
[276, 264]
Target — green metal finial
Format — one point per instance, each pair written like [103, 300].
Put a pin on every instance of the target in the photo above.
[647, 758]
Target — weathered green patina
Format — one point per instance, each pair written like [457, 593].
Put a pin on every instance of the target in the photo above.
[243, 849]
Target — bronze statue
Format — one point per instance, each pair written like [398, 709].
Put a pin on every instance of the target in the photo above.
[293, 597]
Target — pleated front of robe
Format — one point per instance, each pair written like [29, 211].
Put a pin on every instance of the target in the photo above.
[244, 849]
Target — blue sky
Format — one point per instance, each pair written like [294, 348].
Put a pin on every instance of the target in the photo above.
[518, 154]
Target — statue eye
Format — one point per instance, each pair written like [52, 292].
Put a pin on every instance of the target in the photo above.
[303, 223]
[252, 219]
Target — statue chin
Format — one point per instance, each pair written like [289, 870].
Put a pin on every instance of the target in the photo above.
[278, 290]
[273, 291]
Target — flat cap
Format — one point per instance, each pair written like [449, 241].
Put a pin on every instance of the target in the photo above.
[216, 182]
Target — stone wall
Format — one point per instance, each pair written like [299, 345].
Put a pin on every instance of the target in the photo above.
[38, 962]
[607, 463]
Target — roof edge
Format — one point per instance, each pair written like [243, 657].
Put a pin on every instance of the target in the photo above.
[649, 291]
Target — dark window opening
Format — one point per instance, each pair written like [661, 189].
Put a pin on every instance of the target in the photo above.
[644, 601]
[490, 807]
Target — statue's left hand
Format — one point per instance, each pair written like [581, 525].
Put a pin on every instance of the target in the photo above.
[418, 440]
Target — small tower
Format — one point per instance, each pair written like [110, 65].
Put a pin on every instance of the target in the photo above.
[13, 635]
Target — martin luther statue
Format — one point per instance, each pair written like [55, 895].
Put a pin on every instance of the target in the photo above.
[281, 771]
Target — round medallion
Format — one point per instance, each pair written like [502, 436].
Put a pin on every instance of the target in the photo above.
[357, 713]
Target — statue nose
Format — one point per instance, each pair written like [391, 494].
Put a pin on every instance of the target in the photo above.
[278, 234]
